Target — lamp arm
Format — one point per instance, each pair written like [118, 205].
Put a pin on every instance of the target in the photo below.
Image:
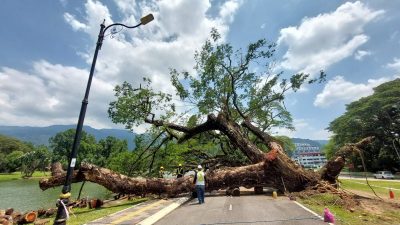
[120, 24]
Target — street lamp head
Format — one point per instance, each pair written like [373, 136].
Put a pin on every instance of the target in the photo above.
[147, 19]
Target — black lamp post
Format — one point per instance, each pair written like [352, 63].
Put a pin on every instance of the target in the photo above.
[62, 203]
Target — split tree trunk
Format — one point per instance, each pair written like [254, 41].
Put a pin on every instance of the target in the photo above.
[273, 171]
[277, 170]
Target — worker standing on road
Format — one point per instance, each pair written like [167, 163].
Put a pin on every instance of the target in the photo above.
[200, 181]
[179, 171]
[161, 172]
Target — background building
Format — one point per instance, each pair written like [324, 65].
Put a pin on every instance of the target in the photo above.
[308, 153]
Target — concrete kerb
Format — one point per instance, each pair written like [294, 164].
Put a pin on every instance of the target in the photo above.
[163, 212]
[134, 206]
[310, 211]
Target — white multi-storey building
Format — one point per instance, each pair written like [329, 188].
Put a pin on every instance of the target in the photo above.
[309, 156]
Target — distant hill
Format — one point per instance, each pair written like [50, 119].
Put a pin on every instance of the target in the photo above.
[41, 135]
[322, 142]
[319, 143]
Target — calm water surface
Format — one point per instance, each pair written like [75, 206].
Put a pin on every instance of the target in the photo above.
[24, 195]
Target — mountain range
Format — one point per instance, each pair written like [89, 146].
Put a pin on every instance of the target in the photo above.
[41, 135]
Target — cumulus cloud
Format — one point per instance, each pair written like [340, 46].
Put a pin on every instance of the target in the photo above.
[360, 54]
[395, 64]
[76, 25]
[52, 93]
[321, 41]
[304, 129]
[340, 90]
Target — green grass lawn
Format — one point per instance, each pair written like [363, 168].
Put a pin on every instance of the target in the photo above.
[380, 187]
[343, 217]
[18, 175]
[85, 215]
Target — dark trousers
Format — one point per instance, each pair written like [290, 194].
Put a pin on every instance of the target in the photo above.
[200, 193]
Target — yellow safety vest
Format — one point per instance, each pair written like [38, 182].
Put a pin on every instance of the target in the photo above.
[200, 178]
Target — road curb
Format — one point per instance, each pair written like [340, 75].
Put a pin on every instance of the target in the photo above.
[134, 206]
[165, 211]
[310, 211]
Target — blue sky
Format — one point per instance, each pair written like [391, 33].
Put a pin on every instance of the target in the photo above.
[47, 46]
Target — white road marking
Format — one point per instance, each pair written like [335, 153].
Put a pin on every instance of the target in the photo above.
[230, 206]
[312, 212]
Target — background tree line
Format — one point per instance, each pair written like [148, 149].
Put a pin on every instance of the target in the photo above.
[376, 115]
[16, 155]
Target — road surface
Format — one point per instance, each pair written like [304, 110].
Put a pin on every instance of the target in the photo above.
[252, 209]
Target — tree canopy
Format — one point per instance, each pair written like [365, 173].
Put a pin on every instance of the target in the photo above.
[233, 100]
[376, 115]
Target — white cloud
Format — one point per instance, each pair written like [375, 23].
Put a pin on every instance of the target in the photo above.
[340, 90]
[304, 129]
[321, 41]
[76, 25]
[360, 54]
[263, 26]
[52, 93]
[395, 64]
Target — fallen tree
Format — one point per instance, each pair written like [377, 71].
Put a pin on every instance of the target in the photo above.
[235, 106]
[276, 170]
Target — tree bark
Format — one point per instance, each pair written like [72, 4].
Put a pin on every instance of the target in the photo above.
[334, 166]
[275, 168]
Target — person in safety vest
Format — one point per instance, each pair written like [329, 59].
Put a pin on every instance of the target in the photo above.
[200, 181]
[161, 172]
[179, 171]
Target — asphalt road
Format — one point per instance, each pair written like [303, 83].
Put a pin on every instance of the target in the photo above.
[252, 209]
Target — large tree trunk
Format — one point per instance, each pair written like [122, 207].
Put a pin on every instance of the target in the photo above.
[334, 166]
[274, 169]
[277, 170]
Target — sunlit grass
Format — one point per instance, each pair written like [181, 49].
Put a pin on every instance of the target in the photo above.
[380, 187]
[343, 216]
[85, 215]
[18, 175]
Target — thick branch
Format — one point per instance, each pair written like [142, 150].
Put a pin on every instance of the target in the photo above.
[210, 124]
[275, 168]
[160, 123]
[266, 138]
[332, 169]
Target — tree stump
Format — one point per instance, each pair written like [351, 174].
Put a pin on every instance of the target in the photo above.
[29, 217]
[9, 211]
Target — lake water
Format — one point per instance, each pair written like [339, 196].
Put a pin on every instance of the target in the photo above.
[24, 195]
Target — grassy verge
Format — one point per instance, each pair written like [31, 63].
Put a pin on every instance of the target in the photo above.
[380, 187]
[85, 215]
[343, 217]
[18, 175]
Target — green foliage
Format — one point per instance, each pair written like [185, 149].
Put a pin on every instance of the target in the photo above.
[99, 153]
[287, 144]
[108, 148]
[13, 161]
[17, 155]
[61, 144]
[9, 144]
[38, 159]
[330, 148]
[239, 84]
[376, 115]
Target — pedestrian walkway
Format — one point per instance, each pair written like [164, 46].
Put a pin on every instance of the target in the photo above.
[145, 213]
